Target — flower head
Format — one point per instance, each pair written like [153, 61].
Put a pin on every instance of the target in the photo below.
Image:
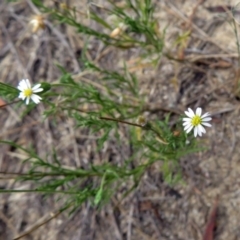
[37, 22]
[27, 92]
[196, 121]
[118, 31]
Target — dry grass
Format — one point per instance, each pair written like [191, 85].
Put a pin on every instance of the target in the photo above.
[207, 76]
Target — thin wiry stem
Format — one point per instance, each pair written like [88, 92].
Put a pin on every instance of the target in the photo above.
[121, 121]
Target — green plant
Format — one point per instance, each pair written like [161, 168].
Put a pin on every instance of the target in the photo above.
[103, 109]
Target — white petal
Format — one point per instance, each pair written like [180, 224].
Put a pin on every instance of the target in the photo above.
[189, 129]
[206, 119]
[189, 113]
[21, 95]
[195, 131]
[37, 90]
[186, 123]
[205, 115]
[201, 128]
[28, 83]
[20, 87]
[27, 100]
[23, 84]
[187, 126]
[36, 86]
[187, 119]
[199, 112]
[206, 124]
[36, 98]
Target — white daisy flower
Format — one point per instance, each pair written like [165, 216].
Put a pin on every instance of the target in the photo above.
[28, 92]
[196, 121]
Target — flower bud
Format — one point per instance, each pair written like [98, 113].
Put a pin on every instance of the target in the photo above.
[37, 22]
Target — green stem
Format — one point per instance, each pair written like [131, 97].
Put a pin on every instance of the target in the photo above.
[121, 121]
[7, 104]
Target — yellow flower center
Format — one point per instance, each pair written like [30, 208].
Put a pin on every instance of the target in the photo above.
[196, 120]
[27, 92]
